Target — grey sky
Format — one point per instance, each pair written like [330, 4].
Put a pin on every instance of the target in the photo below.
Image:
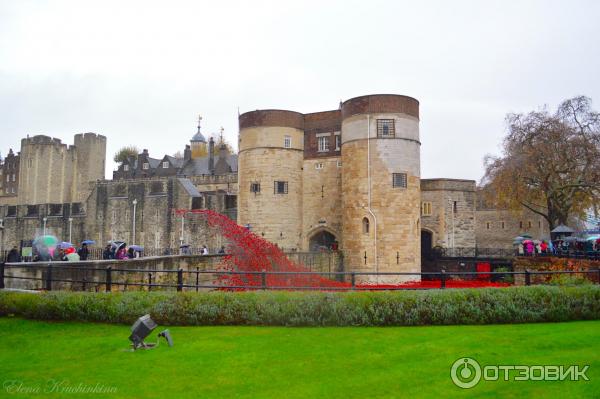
[140, 72]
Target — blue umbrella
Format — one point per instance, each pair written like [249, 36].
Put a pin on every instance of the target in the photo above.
[65, 245]
[136, 247]
[88, 242]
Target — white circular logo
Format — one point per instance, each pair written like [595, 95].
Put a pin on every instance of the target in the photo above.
[465, 373]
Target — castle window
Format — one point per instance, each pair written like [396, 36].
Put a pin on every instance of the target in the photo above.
[165, 165]
[488, 225]
[280, 187]
[126, 168]
[323, 144]
[12, 190]
[385, 128]
[521, 224]
[426, 209]
[399, 180]
[529, 224]
[255, 187]
[540, 224]
[287, 142]
[145, 166]
[338, 141]
[319, 165]
[14, 177]
[365, 226]
[339, 164]
[455, 207]
[502, 224]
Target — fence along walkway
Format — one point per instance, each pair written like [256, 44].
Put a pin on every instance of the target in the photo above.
[107, 279]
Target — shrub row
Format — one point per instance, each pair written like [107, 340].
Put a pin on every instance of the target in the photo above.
[399, 308]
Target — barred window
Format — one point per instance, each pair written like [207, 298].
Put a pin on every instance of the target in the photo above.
[287, 142]
[399, 180]
[280, 187]
[385, 128]
[323, 144]
[426, 209]
[255, 187]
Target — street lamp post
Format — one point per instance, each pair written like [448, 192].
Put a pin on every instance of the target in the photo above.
[45, 219]
[133, 222]
[70, 229]
[182, 225]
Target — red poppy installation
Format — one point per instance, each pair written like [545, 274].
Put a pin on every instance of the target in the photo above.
[248, 255]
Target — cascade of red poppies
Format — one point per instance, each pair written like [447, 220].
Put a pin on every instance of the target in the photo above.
[247, 252]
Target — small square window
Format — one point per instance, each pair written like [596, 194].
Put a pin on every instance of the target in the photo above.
[319, 165]
[255, 187]
[323, 144]
[339, 164]
[385, 128]
[145, 166]
[165, 165]
[399, 180]
[280, 187]
[287, 142]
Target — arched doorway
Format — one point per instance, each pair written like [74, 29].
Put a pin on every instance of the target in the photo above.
[322, 240]
[426, 244]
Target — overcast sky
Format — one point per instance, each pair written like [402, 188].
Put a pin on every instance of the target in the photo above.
[141, 72]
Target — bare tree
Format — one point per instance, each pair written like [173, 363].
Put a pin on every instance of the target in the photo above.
[550, 162]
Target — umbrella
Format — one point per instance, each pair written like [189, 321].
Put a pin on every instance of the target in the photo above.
[519, 238]
[118, 244]
[593, 238]
[65, 245]
[527, 241]
[47, 240]
[570, 239]
[525, 235]
[136, 247]
[184, 246]
[73, 257]
[88, 242]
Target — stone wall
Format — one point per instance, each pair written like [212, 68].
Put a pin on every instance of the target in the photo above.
[497, 228]
[263, 160]
[392, 242]
[452, 220]
[94, 273]
[321, 198]
[52, 172]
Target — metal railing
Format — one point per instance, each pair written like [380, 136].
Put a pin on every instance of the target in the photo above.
[257, 280]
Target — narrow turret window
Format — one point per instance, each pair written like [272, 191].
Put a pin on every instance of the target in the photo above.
[255, 187]
[365, 226]
[287, 142]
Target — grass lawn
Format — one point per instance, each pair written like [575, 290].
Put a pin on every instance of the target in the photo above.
[284, 362]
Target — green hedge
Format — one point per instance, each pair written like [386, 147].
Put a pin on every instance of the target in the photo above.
[399, 308]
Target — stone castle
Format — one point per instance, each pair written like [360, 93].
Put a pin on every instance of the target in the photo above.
[346, 179]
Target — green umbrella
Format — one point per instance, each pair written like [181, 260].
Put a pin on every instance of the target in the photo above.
[47, 240]
[525, 235]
